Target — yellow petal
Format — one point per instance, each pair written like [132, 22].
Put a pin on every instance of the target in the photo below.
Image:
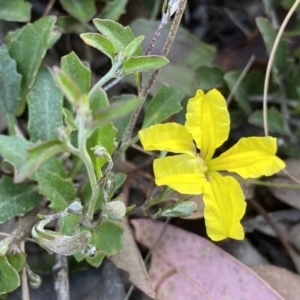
[224, 207]
[250, 158]
[183, 173]
[207, 119]
[171, 137]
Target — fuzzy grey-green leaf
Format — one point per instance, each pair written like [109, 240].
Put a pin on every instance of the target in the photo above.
[29, 48]
[59, 191]
[45, 102]
[9, 276]
[36, 155]
[119, 35]
[14, 149]
[16, 199]
[100, 42]
[10, 86]
[77, 71]
[164, 104]
[81, 10]
[113, 10]
[108, 237]
[15, 10]
[69, 88]
[143, 64]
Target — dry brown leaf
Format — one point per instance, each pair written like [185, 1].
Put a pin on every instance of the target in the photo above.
[130, 260]
[286, 283]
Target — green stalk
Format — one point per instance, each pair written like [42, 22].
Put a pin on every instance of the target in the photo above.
[83, 154]
[110, 75]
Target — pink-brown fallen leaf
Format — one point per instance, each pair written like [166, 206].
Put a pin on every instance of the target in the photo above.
[286, 283]
[186, 266]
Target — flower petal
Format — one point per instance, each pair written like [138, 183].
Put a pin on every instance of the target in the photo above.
[182, 173]
[224, 207]
[250, 158]
[171, 137]
[207, 119]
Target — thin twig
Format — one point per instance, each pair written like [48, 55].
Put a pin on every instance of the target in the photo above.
[289, 249]
[270, 63]
[48, 7]
[24, 279]
[61, 274]
[237, 22]
[240, 79]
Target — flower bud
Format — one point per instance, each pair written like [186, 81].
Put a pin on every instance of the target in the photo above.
[114, 210]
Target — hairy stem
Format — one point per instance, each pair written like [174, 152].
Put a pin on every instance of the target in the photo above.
[83, 154]
[110, 75]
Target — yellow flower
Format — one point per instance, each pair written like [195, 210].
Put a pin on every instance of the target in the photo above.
[191, 172]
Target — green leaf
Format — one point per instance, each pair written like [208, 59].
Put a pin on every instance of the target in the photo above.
[115, 111]
[14, 149]
[275, 120]
[209, 77]
[16, 199]
[134, 47]
[143, 64]
[171, 75]
[104, 136]
[15, 10]
[17, 260]
[77, 71]
[107, 237]
[9, 276]
[29, 48]
[241, 92]
[10, 86]
[96, 260]
[59, 191]
[113, 10]
[119, 35]
[54, 165]
[99, 100]
[38, 154]
[100, 42]
[163, 105]
[119, 179]
[69, 222]
[187, 50]
[45, 102]
[269, 34]
[81, 10]
[122, 123]
[67, 24]
[68, 87]
[54, 37]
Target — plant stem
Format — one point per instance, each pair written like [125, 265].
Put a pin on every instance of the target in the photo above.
[111, 74]
[83, 154]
